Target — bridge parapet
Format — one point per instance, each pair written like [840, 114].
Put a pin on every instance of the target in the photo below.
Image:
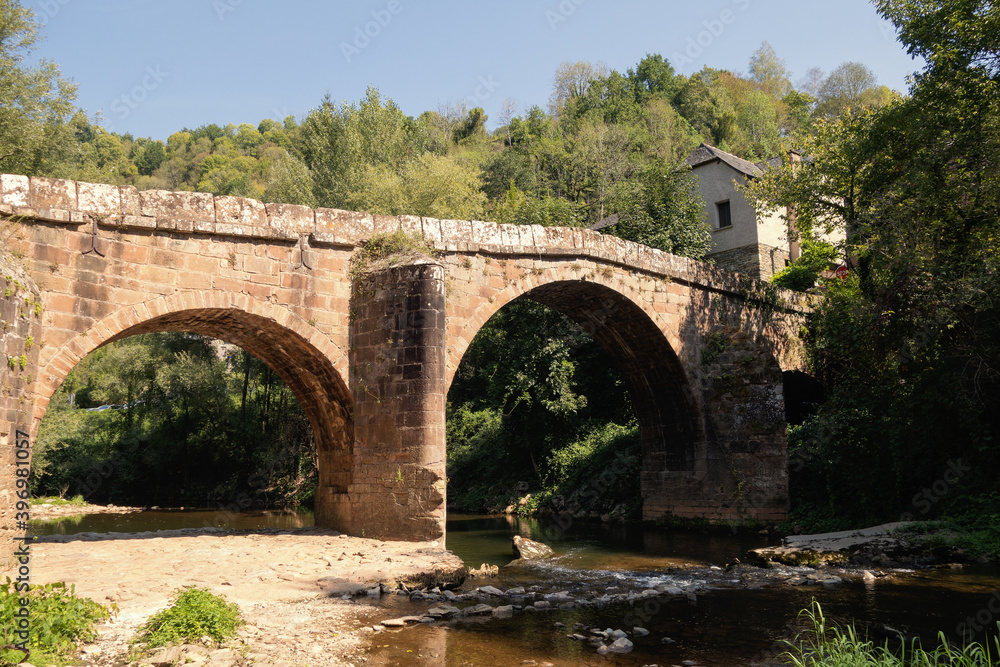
[124, 207]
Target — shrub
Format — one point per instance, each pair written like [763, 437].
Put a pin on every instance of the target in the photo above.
[195, 613]
[59, 620]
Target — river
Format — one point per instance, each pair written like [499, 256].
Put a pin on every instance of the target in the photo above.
[723, 619]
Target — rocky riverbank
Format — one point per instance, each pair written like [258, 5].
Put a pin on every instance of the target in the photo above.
[290, 586]
[879, 546]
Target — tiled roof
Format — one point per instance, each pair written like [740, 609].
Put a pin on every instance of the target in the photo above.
[706, 153]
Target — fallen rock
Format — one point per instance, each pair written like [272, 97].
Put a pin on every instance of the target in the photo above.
[531, 550]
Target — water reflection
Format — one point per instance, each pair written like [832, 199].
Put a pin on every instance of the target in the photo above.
[152, 520]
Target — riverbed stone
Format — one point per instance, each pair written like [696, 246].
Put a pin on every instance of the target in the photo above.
[621, 645]
[477, 610]
[530, 550]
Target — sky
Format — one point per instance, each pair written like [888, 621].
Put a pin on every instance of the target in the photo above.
[153, 67]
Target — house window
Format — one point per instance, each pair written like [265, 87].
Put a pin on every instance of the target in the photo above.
[725, 220]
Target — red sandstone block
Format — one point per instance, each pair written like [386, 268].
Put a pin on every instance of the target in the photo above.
[53, 193]
[60, 303]
[168, 260]
[173, 209]
[290, 219]
[338, 227]
[259, 265]
[257, 291]
[157, 275]
[99, 199]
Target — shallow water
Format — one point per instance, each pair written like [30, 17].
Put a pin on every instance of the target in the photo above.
[729, 619]
[147, 520]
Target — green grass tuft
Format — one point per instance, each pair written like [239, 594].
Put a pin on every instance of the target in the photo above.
[195, 613]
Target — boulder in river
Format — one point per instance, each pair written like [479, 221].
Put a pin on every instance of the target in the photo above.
[531, 550]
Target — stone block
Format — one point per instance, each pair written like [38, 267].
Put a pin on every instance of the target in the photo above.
[412, 225]
[455, 231]
[53, 193]
[290, 219]
[239, 216]
[173, 209]
[485, 233]
[337, 227]
[130, 200]
[14, 190]
[99, 199]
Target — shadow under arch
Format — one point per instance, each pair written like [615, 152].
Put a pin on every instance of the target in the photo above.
[666, 411]
[669, 420]
[306, 370]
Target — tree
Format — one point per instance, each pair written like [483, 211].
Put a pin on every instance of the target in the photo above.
[572, 80]
[666, 211]
[341, 144]
[654, 77]
[908, 345]
[850, 86]
[35, 101]
[769, 71]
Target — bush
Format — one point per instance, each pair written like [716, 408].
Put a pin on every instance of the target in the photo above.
[195, 613]
[59, 620]
[803, 273]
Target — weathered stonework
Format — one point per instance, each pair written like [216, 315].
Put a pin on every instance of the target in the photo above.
[371, 362]
[398, 383]
[756, 261]
[20, 329]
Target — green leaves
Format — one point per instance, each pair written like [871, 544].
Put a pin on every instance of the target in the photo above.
[195, 613]
[60, 619]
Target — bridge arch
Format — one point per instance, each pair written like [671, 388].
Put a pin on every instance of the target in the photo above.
[302, 357]
[639, 345]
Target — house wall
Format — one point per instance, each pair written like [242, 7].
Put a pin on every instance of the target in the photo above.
[716, 184]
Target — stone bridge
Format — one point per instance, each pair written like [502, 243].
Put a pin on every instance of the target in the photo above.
[371, 354]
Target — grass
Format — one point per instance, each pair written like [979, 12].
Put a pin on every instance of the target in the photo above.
[59, 618]
[75, 501]
[390, 248]
[195, 613]
[825, 646]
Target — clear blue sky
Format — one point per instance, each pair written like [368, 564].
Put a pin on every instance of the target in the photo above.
[156, 66]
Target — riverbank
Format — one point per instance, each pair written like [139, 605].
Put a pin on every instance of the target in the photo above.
[290, 585]
[46, 509]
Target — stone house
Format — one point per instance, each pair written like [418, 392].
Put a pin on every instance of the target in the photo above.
[742, 241]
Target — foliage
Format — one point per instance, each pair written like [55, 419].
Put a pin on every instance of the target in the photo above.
[195, 613]
[803, 273]
[60, 620]
[386, 247]
[522, 395]
[35, 100]
[665, 211]
[836, 647]
[218, 419]
[909, 344]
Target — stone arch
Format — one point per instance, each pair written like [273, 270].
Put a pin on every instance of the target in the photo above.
[644, 351]
[304, 359]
